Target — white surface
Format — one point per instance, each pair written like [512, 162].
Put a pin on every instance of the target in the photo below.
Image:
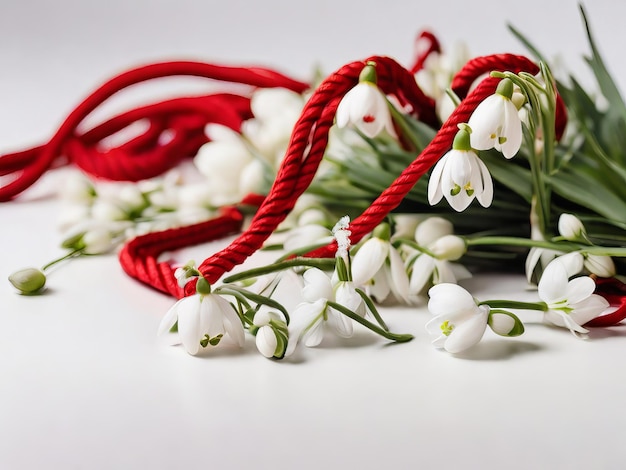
[86, 385]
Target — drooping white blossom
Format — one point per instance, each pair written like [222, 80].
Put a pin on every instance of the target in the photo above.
[378, 266]
[496, 123]
[436, 265]
[203, 320]
[459, 323]
[570, 303]
[366, 108]
[460, 176]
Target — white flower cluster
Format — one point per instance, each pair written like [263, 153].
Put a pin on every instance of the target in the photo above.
[236, 164]
[99, 216]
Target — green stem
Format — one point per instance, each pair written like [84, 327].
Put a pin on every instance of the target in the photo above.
[524, 242]
[372, 308]
[69, 255]
[321, 263]
[498, 304]
[400, 338]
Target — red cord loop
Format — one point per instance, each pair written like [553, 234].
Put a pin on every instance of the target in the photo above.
[146, 156]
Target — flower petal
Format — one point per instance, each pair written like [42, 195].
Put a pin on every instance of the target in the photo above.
[232, 323]
[449, 299]
[368, 260]
[467, 333]
[189, 324]
[266, 341]
[484, 122]
[553, 283]
[398, 276]
[422, 272]
[317, 285]
[340, 323]
[589, 308]
[435, 193]
[511, 130]
[579, 289]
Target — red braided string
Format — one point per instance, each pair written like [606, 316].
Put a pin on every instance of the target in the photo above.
[614, 291]
[431, 46]
[304, 153]
[32, 163]
[139, 257]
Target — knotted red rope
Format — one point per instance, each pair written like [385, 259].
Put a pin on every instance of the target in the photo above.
[305, 151]
[147, 155]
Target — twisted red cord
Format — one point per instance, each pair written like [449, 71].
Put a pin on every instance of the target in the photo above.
[28, 166]
[139, 257]
[614, 291]
[426, 43]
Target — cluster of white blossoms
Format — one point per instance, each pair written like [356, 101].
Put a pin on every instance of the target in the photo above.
[98, 216]
[236, 164]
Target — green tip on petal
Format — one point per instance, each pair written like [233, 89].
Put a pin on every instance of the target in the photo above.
[203, 287]
[368, 74]
[462, 139]
[505, 88]
[28, 281]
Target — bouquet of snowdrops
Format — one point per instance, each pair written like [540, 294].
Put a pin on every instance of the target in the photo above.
[533, 181]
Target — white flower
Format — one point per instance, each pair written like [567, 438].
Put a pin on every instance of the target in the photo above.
[460, 176]
[438, 268]
[378, 261]
[459, 323]
[203, 320]
[570, 303]
[271, 337]
[600, 265]
[309, 317]
[366, 108]
[496, 123]
[305, 236]
[223, 162]
[98, 241]
[571, 228]
[275, 111]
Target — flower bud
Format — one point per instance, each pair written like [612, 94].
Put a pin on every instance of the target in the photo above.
[571, 228]
[97, 241]
[272, 335]
[432, 229]
[28, 281]
[505, 323]
[449, 247]
[601, 266]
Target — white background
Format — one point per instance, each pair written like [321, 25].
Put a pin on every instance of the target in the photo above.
[84, 384]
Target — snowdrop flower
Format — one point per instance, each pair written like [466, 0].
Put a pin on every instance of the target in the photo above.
[275, 110]
[435, 234]
[458, 323]
[272, 333]
[460, 176]
[203, 319]
[225, 163]
[306, 235]
[77, 188]
[365, 106]
[570, 304]
[309, 317]
[496, 122]
[378, 265]
[571, 228]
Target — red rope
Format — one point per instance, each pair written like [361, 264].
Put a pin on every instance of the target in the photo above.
[426, 43]
[28, 166]
[613, 290]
